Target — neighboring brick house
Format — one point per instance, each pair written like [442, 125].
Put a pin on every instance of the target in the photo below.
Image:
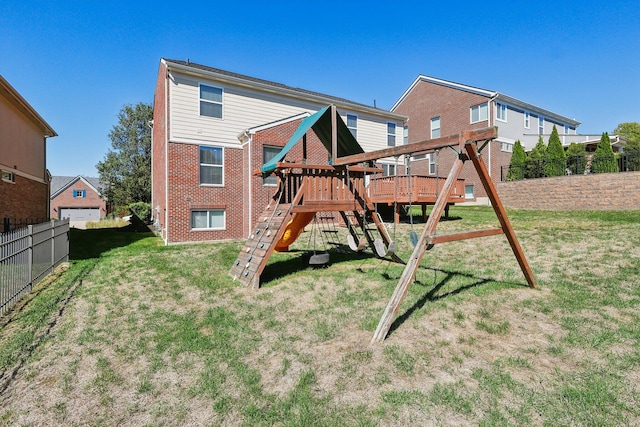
[212, 129]
[438, 107]
[77, 198]
[24, 184]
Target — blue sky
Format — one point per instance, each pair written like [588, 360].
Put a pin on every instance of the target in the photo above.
[79, 62]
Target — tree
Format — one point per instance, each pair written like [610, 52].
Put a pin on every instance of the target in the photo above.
[576, 158]
[555, 159]
[603, 159]
[516, 164]
[629, 130]
[126, 168]
[533, 164]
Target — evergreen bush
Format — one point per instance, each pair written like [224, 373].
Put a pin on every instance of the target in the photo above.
[142, 210]
[576, 158]
[555, 159]
[516, 164]
[535, 159]
[603, 159]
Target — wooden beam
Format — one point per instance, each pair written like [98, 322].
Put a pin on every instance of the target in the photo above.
[417, 147]
[414, 262]
[501, 213]
[464, 235]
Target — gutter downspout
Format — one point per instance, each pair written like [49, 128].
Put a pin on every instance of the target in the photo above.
[166, 159]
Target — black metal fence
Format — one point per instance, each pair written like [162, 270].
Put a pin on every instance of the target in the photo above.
[575, 165]
[27, 255]
[10, 224]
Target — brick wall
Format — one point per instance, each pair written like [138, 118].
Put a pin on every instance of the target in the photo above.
[611, 191]
[186, 194]
[158, 175]
[428, 100]
[66, 200]
[23, 199]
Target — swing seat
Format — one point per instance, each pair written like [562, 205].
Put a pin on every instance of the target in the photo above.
[319, 260]
[383, 251]
[414, 238]
[362, 243]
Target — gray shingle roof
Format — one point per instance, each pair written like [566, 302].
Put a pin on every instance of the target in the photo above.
[59, 183]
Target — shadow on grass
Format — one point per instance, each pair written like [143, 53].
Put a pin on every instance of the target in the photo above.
[92, 243]
[433, 295]
[279, 269]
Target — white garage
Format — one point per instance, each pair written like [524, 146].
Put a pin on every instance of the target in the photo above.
[80, 214]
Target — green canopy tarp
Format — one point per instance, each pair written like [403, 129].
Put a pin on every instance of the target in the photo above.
[320, 122]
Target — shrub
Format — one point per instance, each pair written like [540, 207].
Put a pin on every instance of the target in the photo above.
[535, 158]
[516, 164]
[142, 210]
[555, 159]
[576, 158]
[603, 159]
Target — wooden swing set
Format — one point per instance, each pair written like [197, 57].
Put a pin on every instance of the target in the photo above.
[304, 190]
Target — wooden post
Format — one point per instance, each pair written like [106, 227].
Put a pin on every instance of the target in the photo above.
[500, 212]
[334, 134]
[414, 262]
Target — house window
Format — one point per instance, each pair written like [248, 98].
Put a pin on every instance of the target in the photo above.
[501, 112]
[391, 134]
[352, 124]
[540, 125]
[566, 129]
[435, 127]
[388, 170]
[210, 101]
[209, 219]
[527, 120]
[468, 191]
[79, 193]
[507, 147]
[269, 153]
[8, 176]
[479, 113]
[211, 172]
[405, 135]
[432, 164]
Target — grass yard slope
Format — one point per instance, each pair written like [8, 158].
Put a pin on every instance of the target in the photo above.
[135, 333]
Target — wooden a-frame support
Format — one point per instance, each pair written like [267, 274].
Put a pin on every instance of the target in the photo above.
[467, 150]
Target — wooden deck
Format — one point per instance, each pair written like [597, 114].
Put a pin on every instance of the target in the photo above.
[414, 189]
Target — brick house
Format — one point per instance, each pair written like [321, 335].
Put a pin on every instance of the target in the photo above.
[213, 128]
[437, 107]
[24, 185]
[77, 198]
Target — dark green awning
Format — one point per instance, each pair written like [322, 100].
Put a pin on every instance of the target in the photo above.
[320, 123]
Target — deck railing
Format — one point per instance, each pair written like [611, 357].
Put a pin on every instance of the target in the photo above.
[414, 188]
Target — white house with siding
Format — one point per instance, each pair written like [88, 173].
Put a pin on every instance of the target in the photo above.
[205, 150]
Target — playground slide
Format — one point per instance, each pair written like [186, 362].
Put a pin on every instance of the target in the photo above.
[293, 230]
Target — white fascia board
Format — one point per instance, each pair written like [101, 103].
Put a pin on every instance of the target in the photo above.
[290, 92]
[441, 82]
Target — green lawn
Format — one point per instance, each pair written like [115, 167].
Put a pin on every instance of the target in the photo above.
[137, 333]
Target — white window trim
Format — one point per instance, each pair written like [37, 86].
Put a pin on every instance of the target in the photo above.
[394, 134]
[432, 128]
[432, 162]
[506, 147]
[211, 102]
[224, 219]
[266, 184]
[207, 164]
[473, 192]
[352, 128]
[499, 107]
[479, 118]
[8, 176]
[540, 125]
[527, 120]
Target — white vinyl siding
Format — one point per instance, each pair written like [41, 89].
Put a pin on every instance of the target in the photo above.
[479, 113]
[245, 108]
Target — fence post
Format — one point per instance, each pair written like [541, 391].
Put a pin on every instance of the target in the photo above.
[30, 257]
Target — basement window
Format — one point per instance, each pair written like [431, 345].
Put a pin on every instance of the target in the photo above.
[208, 219]
[8, 176]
